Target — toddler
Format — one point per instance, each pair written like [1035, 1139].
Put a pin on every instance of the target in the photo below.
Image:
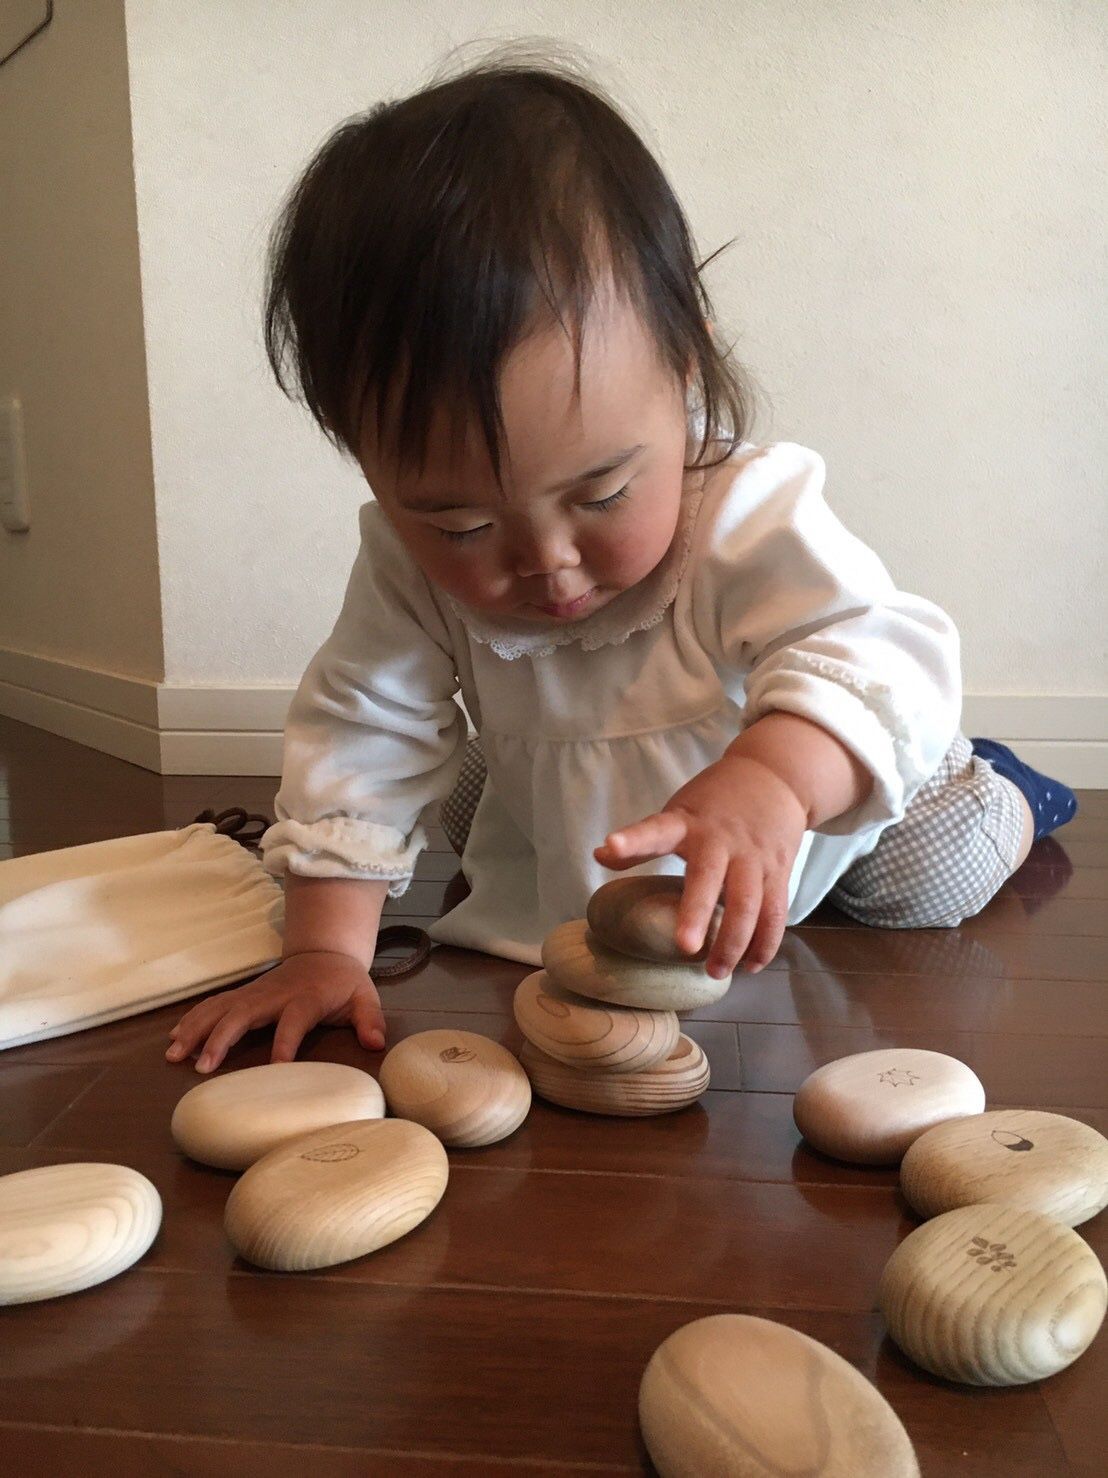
[675, 657]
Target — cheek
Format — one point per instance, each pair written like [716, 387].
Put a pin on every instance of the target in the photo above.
[463, 570]
[638, 539]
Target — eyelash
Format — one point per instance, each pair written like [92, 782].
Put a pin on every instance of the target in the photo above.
[603, 506]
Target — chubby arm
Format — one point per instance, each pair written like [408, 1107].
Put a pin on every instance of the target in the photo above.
[851, 697]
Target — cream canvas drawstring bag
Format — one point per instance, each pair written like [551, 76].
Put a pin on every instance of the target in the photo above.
[92, 933]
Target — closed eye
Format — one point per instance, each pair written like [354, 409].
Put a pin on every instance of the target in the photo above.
[610, 502]
[602, 506]
[464, 533]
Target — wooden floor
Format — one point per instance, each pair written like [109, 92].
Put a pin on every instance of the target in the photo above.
[509, 1332]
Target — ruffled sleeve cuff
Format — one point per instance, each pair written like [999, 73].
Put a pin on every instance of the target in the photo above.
[343, 847]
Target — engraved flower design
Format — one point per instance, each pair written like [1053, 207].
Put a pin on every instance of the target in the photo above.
[898, 1077]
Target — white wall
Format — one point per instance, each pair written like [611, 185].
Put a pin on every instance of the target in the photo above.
[81, 586]
[918, 192]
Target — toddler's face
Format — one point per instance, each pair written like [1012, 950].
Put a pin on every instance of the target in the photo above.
[553, 548]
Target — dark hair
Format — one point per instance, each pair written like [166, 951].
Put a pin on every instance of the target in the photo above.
[415, 250]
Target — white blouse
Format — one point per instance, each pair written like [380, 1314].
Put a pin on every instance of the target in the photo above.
[763, 602]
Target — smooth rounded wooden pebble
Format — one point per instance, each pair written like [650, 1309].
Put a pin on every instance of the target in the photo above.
[577, 961]
[669, 1085]
[993, 1296]
[868, 1108]
[336, 1194]
[598, 1036]
[749, 1398]
[68, 1227]
[233, 1120]
[1023, 1157]
[638, 916]
[466, 1088]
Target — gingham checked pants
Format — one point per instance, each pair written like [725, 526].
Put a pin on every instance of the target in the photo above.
[941, 863]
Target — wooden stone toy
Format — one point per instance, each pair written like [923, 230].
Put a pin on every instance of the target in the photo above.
[577, 961]
[336, 1194]
[669, 1085]
[868, 1108]
[638, 916]
[467, 1089]
[993, 1296]
[597, 1036]
[749, 1398]
[1024, 1157]
[232, 1120]
[68, 1227]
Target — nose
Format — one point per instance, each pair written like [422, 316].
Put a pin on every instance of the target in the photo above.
[544, 552]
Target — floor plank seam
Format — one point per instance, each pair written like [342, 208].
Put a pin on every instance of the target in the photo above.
[424, 1454]
[33, 1141]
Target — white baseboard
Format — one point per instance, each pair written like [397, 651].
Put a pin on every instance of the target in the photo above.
[182, 729]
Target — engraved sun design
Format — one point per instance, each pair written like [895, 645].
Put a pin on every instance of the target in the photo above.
[898, 1077]
[994, 1255]
[457, 1054]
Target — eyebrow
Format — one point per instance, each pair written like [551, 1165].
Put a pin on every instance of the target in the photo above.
[594, 474]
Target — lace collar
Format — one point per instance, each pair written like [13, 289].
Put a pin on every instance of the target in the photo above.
[637, 609]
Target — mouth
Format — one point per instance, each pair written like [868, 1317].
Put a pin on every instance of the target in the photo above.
[561, 609]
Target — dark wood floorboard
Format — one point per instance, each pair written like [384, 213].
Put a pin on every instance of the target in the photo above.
[559, 1259]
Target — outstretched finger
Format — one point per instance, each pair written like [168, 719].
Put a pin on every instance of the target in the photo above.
[770, 928]
[742, 904]
[369, 1020]
[656, 836]
[704, 874]
[227, 1032]
[300, 1014]
[194, 1026]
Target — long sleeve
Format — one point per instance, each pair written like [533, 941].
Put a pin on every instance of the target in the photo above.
[811, 620]
[373, 736]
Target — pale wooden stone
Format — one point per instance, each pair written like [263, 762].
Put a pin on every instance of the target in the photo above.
[336, 1194]
[993, 1296]
[232, 1120]
[600, 1037]
[868, 1108]
[638, 916]
[577, 961]
[68, 1227]
[466, 1088]
[672, 1084]
[1023, 1157]
[749, 1398]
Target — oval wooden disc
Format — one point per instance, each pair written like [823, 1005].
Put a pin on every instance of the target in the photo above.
[868, 1108]
[993, 1296]
[335, 1194]
[603, 1037]
[638, 916]
[669, 1085]
[68, 1227]
[467, 1089]
[232, 1120]
[1024, 1157]
[577, 961]
[747, 1397]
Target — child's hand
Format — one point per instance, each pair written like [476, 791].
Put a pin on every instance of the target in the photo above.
[297, 994]
[738, 826]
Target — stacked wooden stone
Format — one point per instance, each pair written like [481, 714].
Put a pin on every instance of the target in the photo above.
[601, 1017]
